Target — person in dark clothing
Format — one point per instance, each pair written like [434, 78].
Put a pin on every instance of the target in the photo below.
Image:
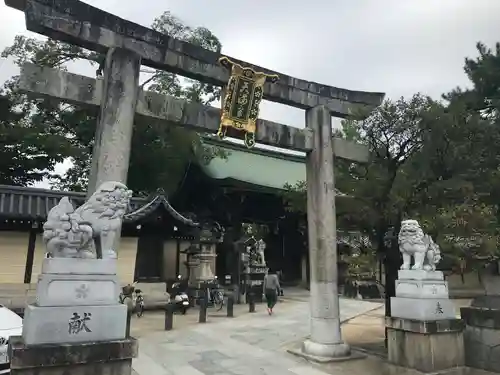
[271, 287]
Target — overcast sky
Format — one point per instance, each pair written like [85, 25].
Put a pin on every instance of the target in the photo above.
[399, 47]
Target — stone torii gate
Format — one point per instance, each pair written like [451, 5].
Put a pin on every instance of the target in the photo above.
[127, 45]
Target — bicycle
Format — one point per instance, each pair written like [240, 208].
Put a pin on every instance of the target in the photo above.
[218, 299]
[215, 294]
[136, 298]
[127, 292]
[139, 303]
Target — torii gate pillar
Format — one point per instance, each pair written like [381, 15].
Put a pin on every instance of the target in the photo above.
[325, 340]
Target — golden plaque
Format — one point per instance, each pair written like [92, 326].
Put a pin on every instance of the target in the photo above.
[240, 107]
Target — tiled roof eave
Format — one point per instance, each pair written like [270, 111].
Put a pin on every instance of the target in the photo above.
[26, 203]
[154, 204]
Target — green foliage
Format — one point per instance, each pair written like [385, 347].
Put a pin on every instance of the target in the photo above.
[49, 53]
[361, 265]
[171, 84]
[160, 154]
[484, 74]
[28, 147]
[294, 197]
[430, 161]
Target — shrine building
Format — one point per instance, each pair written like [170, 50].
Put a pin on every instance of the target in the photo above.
[245, 187]
[242, 188]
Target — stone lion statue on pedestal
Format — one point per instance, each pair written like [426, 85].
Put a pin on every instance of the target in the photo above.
[261, 248]
[414, 243]
[90, 230]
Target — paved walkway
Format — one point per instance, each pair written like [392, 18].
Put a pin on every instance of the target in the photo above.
[250, 344]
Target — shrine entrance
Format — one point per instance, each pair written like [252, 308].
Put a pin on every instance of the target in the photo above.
[149, 261]
[128, 45]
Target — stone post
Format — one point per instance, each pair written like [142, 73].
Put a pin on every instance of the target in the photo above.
[111, 154]
[325, 340]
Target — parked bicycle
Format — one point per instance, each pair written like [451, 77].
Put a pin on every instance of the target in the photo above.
[135, 295]
[215, 294]
[139, 303]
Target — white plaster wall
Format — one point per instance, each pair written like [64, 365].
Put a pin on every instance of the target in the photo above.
[14, 249]
[38, 257]
[126, 259]
[13, 252]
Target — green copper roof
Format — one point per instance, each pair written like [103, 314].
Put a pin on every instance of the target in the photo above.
[255, 166]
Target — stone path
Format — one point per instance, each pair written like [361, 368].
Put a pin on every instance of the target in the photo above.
[250, 344]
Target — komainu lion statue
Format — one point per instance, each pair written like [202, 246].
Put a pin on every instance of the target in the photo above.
[90, 230]
[261, 248]
[413, 242]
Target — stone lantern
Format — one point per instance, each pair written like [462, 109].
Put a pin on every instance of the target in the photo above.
[211, 233]
[192, 262]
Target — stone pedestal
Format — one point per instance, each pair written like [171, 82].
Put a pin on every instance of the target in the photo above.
[422, 295]
[254, 280]
[76, 301]
[423, 332]
[482, 337]
[98, 358]
[426, 346]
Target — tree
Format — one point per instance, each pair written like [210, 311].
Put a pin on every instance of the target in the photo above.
[467, 234]
[28, 148]
[160, 154]
[479, 219]
[484, 74]
[425, 158]
[483, 99]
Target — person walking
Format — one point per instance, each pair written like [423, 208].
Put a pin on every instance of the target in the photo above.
[271, 287]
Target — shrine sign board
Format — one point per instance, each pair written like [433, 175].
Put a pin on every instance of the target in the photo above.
[240, 107]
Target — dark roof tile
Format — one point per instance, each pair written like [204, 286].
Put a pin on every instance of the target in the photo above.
[33, 203]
